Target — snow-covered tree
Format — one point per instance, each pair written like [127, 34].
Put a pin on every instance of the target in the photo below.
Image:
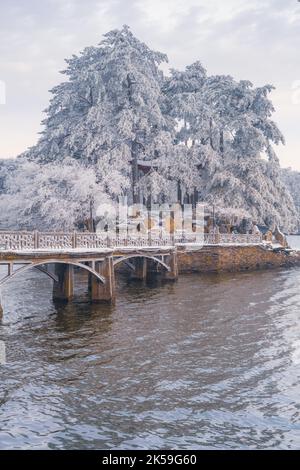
[55, 196]
[228, 135]
[184, 102]
[108, 112]
[7, 165]
[291, 179]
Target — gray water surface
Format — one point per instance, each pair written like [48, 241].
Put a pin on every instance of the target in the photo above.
[211, 362]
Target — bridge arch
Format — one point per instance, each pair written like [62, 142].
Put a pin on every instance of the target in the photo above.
[121, 259]
[39, 266]
[48, 273]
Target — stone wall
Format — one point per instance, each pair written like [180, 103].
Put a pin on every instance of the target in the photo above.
[233, 258]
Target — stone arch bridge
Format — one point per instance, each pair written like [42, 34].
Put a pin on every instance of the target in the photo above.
[58, 258]
[56, 255]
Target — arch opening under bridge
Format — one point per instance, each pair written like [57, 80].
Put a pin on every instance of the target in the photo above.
[125, 258]
[40, 266]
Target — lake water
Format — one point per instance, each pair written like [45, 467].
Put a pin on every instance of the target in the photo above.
[211, 362]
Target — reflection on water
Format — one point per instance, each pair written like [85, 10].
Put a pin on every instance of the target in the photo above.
[210, 362]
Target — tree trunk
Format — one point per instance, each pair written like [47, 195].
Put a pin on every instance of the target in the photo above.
[134, 146]
[222, 142]
[179, 193]
[134, 163]
[185, 139]
[90, 222]
[211, 134]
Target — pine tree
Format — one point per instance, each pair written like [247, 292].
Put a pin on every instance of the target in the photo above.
[108, 113]
[227, 134]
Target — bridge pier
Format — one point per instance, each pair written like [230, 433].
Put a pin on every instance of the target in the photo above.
[64, 288]
[100, 292]
[140, 272]
[172, 275]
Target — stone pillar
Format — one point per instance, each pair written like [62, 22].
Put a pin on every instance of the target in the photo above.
[140, 272]
[90, 278]
[103, 292]
[172, 275]
[63, 289]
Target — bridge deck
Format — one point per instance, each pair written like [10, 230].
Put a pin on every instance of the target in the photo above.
[82, 253]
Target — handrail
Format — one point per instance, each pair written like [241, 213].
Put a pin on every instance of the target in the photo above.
[29, 241]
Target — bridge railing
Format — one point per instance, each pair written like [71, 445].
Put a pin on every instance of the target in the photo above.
[17, 240]
[221, 238]
[30, 241]
[240, 238]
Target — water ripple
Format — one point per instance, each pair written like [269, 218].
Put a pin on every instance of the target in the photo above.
[212, 362]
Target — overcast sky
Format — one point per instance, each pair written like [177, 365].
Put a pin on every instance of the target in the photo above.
[254, 40]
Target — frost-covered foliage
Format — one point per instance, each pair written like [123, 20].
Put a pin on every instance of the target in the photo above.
[6, 167]
[227, 133]
[292, 181]
[210, 135]
[108, 113]
[55, 196]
